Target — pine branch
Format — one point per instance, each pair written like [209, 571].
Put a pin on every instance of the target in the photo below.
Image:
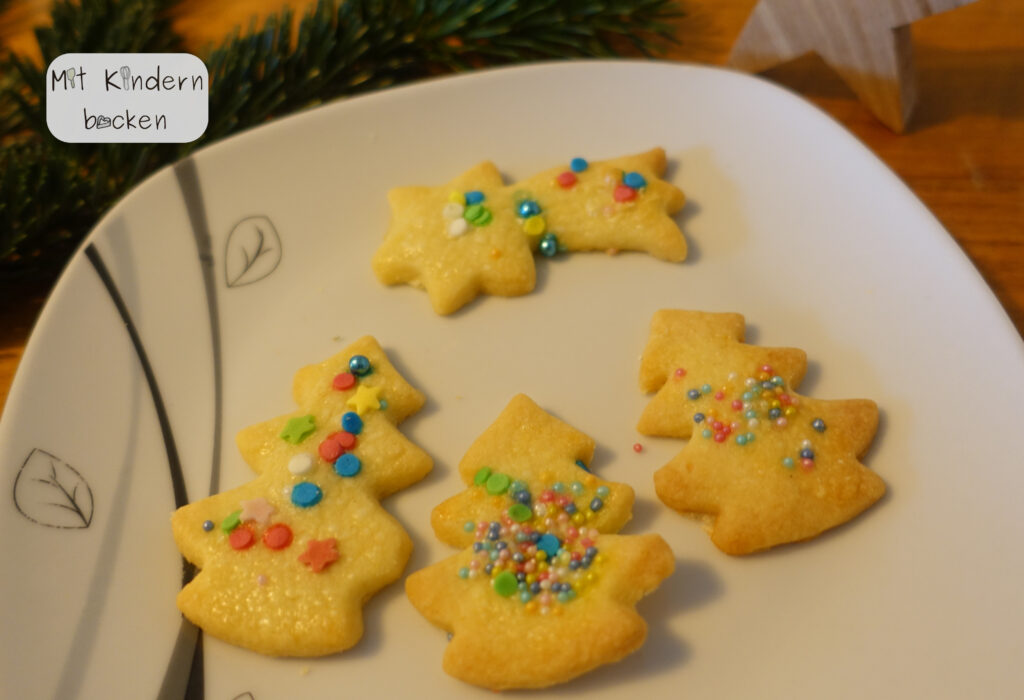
[51, 193]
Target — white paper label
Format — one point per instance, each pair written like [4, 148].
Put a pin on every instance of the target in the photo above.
[127, 97]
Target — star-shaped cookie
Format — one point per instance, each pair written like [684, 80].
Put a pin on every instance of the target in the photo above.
[475, 235]
[288, 559]
[764, 464]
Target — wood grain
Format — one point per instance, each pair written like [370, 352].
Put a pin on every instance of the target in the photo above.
[962, 153]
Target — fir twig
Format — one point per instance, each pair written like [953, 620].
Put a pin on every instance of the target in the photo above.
[51, 193]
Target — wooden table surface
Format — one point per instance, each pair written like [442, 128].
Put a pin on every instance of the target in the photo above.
[963, 153]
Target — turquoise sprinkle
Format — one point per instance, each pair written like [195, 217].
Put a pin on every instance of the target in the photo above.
[602, 491]
[517, 485]
[494, 555]
[577, 487]
[558, 487]
[581, 465]
[706, 433]
[524, 596]
[787, 462]
[750, 437]
[578, 165]
[747, 396]
[563, 597]
[751, 413]
[778, 381]
[468, 526]
[741, 439]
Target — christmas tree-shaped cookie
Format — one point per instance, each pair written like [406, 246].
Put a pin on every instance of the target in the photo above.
[288, 559]
[764, 464]
[542, 591]
[476, 235]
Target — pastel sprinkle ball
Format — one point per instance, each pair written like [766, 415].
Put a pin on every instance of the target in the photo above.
[241, 538]
[566, 179]
[277, 536]
[208, 525]
[306, 494]
[474, 197]
[578, 165]
[624, 193]
[528, 208]
[548, 245]
[298, 429]
[534, 226]
[352, 423]
[457, 227]
[348, 465]
[359, 365]
[634, 180]
[344, 381]
[300, 464]
[231, 522]
[542, 551]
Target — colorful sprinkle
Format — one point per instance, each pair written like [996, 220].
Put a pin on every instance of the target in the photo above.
[788, 462]
[306, 494]
[474, 197]
[596, 504]
[637, 447]
[457, 227]
[481, 476]
[231, 522]
[505, 584]
[528, 208]
[497, 484]
[582, 465]
[241, 538]
[277, 536]
[456, 197]
[298, 429]
[300, 464]
[468, 526]
[548, 245]
[566, 179]
[578, 165]
[534, 226]
[208, 525]
[634, 180]
[452, 211]
[352, 423]
[365, 399]
[680, 373]
[359, 365]
[818, 424]
[329, 450]
[624, 193]
[320, 554]
[348, 465]
[549, 544]
[257, 509]
[344, 381]
[693, 394]
[344, 438]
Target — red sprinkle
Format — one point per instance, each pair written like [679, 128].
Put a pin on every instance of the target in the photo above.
[719, 395]
[784, 399]
[807, 464]
[277, 536]
[637, 447]
[241, 538]
[330, 449]
[566, 179]
[346, 439]
[767, 368]
[624, 193]
[737, 404]
[680, 372]
[345, 380]
[719, 437]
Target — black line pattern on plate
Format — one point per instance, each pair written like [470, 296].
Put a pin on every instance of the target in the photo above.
[195, 686]
[50, 492]
[253, 250]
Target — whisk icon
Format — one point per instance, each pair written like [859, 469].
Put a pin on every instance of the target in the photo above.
[70, 73]
[126, 76]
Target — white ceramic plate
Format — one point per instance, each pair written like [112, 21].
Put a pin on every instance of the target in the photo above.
[791, 222]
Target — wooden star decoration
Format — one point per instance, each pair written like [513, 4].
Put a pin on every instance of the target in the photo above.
[764, 464]
[867, 42]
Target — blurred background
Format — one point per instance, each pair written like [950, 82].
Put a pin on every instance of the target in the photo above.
[961, 151]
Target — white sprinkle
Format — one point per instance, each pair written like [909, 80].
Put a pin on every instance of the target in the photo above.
[457, 227]
[452, 210]
[300, 464]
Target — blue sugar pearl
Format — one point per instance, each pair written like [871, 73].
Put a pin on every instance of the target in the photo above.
[359, 365]
[596, 504]
[818, 424]
[741, 439]
[775, 413]
[787, 462]
[464, 572]
[347, 465]
[528, 208]
[807, 453]
[488, 568]
[208, 525]
[521, 497]
[474, 197]
[581, 465]
[477, 546]
[756, 390]
[501, 545]
[548, 245]
[578, 165]
[603, 491]
[706, 389]
[535, 587]
[518, 558]
[549, 543]
[352, 423]
[306, 494]
[706, 433]
[577, 487]
[767, 385]
[573, 565]
[585, 562]
[634, 180]
[590, 552]
[693, 394]
[570, 508]
[492, 535]
[534, 537]
[698, 417]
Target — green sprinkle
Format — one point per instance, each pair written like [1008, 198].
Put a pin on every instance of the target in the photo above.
[468, 526]
[505, 584]
[520, 513]
[481, 476]
[473, 212]
[497, 484]
[231, 522]
[577, 487]
[298, 429]
[483, 218]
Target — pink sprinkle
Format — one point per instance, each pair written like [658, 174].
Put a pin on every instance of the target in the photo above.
[637, 447]
[261, 579]
[781, 422]
[680, 372]
[736, 404]
[719, 395]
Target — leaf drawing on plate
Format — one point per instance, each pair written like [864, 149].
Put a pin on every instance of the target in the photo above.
[244, 696]
[253, 251]
[51, 492]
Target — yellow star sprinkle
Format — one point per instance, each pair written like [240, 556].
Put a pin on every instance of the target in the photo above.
[366, 398]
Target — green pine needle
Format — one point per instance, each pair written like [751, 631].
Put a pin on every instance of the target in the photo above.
[52, 193]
